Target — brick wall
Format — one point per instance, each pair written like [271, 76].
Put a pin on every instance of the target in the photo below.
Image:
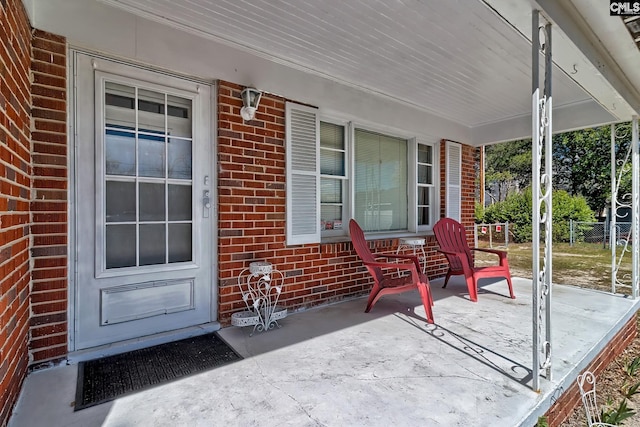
[251, 188]
[15, 185]
[49, 198]
[570, 399]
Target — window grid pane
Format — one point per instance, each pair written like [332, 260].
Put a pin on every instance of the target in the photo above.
[425, 184]
[332, 164]
[142, 129]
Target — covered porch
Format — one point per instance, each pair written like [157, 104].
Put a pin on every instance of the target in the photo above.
[336, 365]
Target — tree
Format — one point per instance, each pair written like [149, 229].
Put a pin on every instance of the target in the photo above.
[581, 165]
[507, 167]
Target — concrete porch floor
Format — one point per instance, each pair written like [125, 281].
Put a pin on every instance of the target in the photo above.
[337, 366]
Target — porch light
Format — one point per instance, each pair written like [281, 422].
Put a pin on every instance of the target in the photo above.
[250, 100]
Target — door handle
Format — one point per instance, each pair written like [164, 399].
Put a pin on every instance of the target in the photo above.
[206, 201]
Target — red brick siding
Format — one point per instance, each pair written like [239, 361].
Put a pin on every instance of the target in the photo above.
[49, 228]
[251, 188]
[570, 399]
[15, 186]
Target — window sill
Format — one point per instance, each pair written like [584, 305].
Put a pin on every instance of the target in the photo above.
[377, 236]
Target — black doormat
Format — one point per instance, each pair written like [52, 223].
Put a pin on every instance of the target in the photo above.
[104, 379]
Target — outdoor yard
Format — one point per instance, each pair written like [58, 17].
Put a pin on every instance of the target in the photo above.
[587, 265]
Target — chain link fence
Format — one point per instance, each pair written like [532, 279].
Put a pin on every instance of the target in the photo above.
[598, 232]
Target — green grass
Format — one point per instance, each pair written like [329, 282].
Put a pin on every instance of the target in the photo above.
[584, 264]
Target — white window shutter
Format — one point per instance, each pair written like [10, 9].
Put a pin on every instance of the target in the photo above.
[453, 180]
[303, 174]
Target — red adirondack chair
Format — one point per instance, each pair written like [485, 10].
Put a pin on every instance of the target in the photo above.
[385, 278]
[452, 239]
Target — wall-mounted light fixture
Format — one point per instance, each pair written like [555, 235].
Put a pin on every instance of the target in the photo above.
[250, 100]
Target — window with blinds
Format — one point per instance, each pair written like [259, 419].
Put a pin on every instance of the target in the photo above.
[380, 181]
[336, 171]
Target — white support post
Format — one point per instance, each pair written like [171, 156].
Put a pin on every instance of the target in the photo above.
[613, 238]
[541, 201]
[635, 214]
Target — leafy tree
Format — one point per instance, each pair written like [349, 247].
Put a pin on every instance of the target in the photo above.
[508, 167]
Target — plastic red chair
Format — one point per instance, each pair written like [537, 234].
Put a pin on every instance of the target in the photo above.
[385, 278]
[452, 239]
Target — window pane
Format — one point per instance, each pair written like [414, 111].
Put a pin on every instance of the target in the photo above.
[330, 190]
[331, 136]
[121, 246]
[151, 155]
[425, 174]
[179, 202]
[331, 217]
[331, 162]
[179, 158]
[151, 202]
[423, 215]
[120, 152]
[423, 196]
[380, 182]
[179, 242]
[120, 201]
[424, 154]
[152, 244]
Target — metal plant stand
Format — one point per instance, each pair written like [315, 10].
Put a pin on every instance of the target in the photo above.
[261, 286]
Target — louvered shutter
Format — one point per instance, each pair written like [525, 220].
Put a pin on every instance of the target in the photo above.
[454, 179]
[303, 174]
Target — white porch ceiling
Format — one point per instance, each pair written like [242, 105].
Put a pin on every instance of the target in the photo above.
[455, 59]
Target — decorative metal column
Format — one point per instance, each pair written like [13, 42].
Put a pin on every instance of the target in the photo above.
[619, 234]
[635, 206]
[541, 199]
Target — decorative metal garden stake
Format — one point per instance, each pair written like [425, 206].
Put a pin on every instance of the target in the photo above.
[261, 286]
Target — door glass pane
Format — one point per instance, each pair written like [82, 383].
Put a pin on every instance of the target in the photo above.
[151, 110]
[152, 244]
[179, 202]
[152, 202]
[179, 242]
[121, 246]
[147, 135]
[120, 152]
[120, 201]
[119, 105]
[151, 155]
[179, 158]
[179, 116]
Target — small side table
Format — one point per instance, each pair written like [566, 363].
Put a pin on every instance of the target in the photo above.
[261, 286]
[417, 246]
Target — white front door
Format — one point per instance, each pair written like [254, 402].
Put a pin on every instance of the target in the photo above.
[143, 202]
